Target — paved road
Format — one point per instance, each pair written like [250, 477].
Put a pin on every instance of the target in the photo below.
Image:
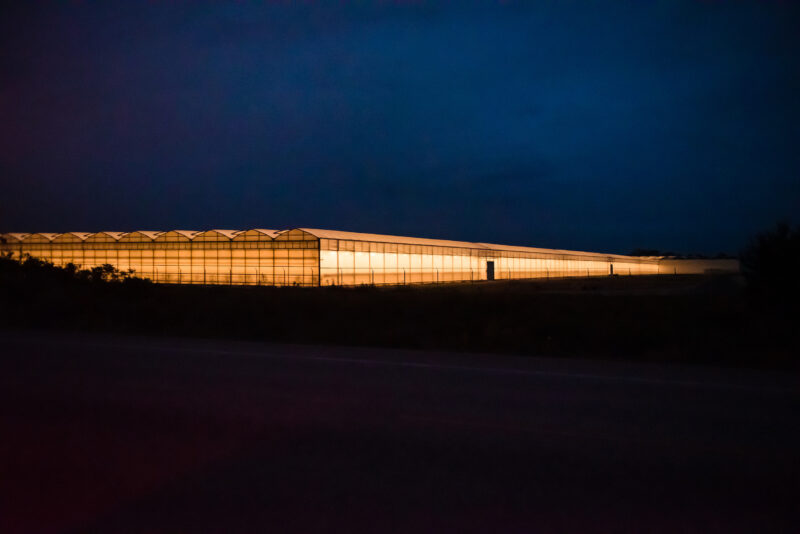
[113, 434]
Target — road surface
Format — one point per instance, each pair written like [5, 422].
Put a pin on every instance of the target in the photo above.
[147, 435]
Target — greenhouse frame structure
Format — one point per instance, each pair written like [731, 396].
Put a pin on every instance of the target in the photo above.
[314, 257]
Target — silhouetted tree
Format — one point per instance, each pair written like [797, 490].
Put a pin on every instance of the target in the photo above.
[32, 268]
[646, 252]
[771, 264]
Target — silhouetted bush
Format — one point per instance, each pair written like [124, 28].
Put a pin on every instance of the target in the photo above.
[685, 318]
[646, 252]
[32, 269]
[771, 266]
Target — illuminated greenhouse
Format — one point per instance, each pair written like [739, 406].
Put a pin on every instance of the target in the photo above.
[313, 257]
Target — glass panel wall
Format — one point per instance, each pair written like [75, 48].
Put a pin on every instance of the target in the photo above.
[172, 257]
[39, 246]
[353, 262]
[12, 244]
[299, 257]
[68, 248]
[101, 249]
[211, 258]
[138, 249]
[296, 259]
[252, 258]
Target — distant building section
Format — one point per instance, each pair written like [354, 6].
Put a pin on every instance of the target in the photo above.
[312, 257]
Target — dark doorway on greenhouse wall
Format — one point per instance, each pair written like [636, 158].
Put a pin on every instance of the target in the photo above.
[490, 270]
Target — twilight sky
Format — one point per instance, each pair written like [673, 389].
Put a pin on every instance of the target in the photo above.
[586, 125]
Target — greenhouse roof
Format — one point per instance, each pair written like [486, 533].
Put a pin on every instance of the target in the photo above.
[323, 234]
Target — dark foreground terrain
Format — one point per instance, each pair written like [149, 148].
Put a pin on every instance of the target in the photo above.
[689, 319]
[119, 434]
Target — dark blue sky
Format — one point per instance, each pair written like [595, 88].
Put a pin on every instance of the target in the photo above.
[586, 125]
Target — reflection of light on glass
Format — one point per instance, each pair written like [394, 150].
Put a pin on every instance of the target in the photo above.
[324, 257]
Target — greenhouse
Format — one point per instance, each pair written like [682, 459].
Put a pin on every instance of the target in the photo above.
[313, 257]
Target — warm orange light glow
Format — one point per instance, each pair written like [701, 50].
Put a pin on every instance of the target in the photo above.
[311, 257]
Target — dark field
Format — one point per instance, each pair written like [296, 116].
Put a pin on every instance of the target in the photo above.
[111, 423]
[697, 319]
[112, 434]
